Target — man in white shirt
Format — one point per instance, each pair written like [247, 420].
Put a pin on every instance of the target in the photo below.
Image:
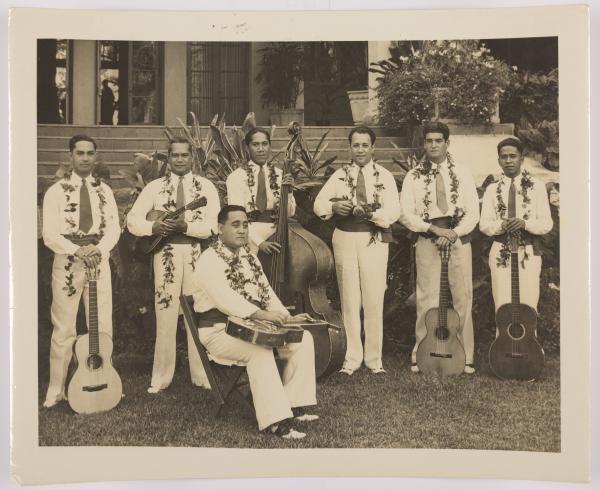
[81, 226]
[257, 187]
[439, 201]
[518, 202]
[230, 282]
[175, 263]
[363, 198]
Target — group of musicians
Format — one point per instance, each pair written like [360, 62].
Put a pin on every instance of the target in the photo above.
[438, 201]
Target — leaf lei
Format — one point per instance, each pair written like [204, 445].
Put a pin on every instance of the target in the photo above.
[425, 169]
[273, 185]
[238, 279]
[165, 298]
[502, 210]
[70, 208]
[168, 189]
[378, 187]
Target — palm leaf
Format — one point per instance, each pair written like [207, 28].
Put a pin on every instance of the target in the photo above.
[319, 145]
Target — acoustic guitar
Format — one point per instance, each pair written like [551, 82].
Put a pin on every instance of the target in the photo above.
[261, 332]
[153, 243]
[441, 352]
[95, 385]
[516, 352]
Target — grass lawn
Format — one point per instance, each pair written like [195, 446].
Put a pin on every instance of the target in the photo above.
[397, 410]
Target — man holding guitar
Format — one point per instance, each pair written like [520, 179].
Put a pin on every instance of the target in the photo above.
[518, 202]
[230, 282]
[81, 226]
[177, 258]
[439, 202]
[257, 188]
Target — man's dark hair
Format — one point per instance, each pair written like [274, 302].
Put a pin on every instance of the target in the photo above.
[436, 127]
[225, 210]
[362, 130]
[179, 139]
[253, 131]
[511, 142]
[81, 137]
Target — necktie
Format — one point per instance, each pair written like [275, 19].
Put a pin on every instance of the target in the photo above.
[361, 188]
[85, 208]
[512, 200]
[440, 190]
[261, 193]
[180, 200]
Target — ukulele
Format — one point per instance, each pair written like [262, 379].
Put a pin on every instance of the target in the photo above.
[153, 243]
[95, 385]
[516, 352]
[441, 352]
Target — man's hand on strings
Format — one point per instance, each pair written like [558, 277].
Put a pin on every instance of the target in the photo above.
[269, 247]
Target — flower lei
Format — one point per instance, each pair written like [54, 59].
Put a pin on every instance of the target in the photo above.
[378, 187]
[70, 208]
[273, 185]
[502, 210]
[168, 189]
[425, 169]
[238, 279]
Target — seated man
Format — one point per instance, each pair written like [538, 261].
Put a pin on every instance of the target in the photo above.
[230, 282]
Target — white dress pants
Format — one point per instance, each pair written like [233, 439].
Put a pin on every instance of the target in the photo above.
[63, 314]
[460, 279]
[166, 319]
[361, 274]
[273, 396]
[529, 277]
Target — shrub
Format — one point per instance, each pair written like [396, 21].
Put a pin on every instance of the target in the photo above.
[461, 76]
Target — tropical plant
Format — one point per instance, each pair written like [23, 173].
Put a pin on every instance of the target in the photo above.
[542, 139]
[281, 72]
[307, 165]
[461, 77]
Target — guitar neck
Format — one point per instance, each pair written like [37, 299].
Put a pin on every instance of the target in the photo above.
[278, 260]
[93, 317]
[514, 285]
[443, 303]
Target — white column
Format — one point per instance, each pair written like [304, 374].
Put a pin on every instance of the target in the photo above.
[175, 87]
[84, 83]
[377, 51]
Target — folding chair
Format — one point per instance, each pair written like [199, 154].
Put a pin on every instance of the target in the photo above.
[225, 381]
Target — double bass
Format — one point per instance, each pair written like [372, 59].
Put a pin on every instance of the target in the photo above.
[299, 273]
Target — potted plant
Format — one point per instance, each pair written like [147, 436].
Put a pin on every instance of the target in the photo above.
[280, 76]
[455, 81]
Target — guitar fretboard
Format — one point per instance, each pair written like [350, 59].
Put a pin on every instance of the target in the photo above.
[514, 287]
[93, 318]
[443, 308]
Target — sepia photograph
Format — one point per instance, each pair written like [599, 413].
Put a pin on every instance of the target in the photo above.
[299, 244]
[422, 272]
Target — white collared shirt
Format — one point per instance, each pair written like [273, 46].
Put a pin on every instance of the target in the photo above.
[337, 187]
[415, 189]
[158, 192]
[56, 218]
[212, 289]
[539, 218]
[239, 193]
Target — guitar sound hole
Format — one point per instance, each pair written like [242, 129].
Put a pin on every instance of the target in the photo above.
[94, 362]
[516, 331]
[442, 333]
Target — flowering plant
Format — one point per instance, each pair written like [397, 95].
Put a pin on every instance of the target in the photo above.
[460, 77]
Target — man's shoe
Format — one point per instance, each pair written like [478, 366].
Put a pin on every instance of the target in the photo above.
[469, 369]
[378, 370]
[301, 416]
[347, 371]
[415, 368]
[153, 390]
[284, 430]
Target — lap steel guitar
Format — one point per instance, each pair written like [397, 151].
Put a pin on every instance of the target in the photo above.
[268, 334]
